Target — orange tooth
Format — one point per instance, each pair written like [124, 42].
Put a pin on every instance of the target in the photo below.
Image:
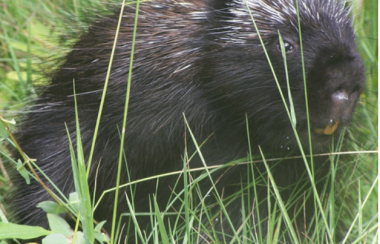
[331, 128]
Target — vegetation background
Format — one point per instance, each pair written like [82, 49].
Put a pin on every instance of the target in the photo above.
[35, 35]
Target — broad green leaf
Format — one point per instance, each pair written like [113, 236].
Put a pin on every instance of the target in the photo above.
[56, 239]
[74, 201]
[51, 207]
[101, 237]
[99, 226]
[59, 225]
[24, 232]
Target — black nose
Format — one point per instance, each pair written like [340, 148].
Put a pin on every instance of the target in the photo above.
[346, 76]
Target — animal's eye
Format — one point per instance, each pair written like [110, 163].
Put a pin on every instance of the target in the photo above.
[287, 46]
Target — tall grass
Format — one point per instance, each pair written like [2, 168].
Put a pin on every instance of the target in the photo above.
[33, 32]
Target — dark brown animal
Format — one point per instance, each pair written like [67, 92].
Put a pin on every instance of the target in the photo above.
[202, 60]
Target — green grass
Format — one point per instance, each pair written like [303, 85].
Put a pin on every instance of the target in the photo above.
[34, 33]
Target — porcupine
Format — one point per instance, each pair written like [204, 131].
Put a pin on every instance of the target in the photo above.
[202, 60]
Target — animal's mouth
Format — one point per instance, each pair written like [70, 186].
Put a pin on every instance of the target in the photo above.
[329, 129]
